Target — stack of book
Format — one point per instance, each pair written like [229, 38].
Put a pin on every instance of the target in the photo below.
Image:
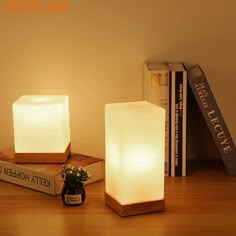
[166, 84]
[46, 177]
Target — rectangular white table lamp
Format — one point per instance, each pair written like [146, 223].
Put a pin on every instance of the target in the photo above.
[134, 164]
[41, 129]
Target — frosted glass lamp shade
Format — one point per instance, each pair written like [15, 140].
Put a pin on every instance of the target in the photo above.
[41, 125]
[135, 143]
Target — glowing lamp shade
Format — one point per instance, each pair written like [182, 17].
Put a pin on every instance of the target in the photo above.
[135, 143]
[41, 128]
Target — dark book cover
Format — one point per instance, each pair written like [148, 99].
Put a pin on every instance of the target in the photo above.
[178, 130]
[177, 119]
[213, 117]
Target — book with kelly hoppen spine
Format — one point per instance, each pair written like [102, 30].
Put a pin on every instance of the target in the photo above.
[213, 117]
[177, 119]
[46, 177]
[156, 91]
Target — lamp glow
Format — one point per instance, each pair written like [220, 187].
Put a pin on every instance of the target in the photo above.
[41, 127]
[135, 142]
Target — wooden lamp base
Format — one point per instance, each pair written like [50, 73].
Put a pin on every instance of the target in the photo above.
[43, 157]
[135, 209]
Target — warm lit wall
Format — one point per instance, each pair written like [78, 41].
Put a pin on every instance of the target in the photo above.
[94, 53]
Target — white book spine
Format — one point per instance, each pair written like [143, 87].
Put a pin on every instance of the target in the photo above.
[172, 117]
[28, 178]
[156, 91]
[48, 183]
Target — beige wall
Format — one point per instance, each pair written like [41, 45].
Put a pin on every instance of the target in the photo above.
[94, 53]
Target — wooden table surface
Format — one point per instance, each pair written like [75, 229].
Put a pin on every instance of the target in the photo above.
[204, 203]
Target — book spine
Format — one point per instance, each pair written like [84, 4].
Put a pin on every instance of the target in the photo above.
[152, 86]
[172, 128]
[178, 128]
[213, 118]
[172, 124]
[28, 178]
[156, 91]
[184, 126]
[178, 119]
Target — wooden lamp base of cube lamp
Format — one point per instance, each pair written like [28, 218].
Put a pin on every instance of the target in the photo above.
[43, 157]
[135, 209]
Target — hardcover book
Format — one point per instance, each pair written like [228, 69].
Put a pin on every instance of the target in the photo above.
[213, 117]
[46, 177]
[177, 119]
[156, 91]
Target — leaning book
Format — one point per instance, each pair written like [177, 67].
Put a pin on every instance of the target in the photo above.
[213, 117]
[46, 177]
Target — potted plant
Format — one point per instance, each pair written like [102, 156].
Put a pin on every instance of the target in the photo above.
[73, 192]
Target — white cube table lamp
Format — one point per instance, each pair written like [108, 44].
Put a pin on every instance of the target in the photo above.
[41, 129]
[135, 149]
